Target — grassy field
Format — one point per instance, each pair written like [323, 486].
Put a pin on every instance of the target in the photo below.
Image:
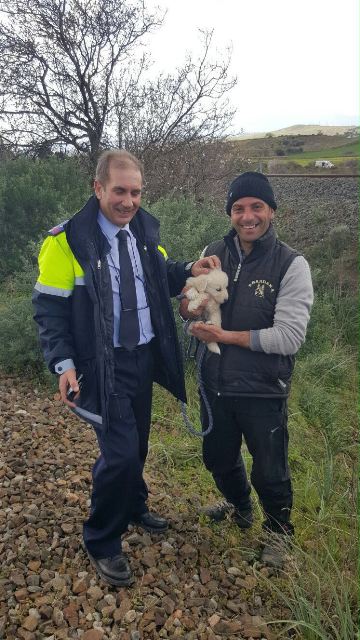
[338, 149]
[344, 152]
[308, 143]
[319, 588]
[304, 162]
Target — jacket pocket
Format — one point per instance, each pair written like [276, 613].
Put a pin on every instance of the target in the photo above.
[89, 396]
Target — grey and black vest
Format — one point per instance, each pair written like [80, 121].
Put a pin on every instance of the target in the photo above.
[253, 289]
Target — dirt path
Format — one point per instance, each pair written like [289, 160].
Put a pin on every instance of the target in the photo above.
[186, 586]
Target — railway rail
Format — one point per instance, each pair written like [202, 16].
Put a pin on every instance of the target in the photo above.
[312, 175]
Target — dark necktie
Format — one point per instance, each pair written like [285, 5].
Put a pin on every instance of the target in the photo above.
[129, 322]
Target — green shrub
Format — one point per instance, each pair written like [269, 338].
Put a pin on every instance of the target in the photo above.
[34, 195]
[19, 344]
[333, 321]
[187, 227]
[339, 240]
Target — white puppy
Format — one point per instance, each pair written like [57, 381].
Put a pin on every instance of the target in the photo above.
[212, 287]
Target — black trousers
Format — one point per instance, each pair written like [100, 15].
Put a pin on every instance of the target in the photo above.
[119, 490]
[263, 424]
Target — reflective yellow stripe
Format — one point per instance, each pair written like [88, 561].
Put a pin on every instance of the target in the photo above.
[52, 291]
[57, 264]
[162, 250]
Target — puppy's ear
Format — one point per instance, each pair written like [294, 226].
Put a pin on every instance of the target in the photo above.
[191, 282]
[201, 283]
[198, 282]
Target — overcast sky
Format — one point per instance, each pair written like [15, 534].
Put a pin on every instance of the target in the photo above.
[296, 62]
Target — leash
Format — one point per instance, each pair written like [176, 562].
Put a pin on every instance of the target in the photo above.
[201, 350]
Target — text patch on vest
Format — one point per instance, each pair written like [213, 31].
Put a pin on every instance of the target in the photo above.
[259, 287]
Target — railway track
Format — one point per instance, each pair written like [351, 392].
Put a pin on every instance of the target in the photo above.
[312, 175]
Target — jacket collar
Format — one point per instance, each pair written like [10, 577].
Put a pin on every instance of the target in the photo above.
[85, 237]
[261, 245]
[145, 227]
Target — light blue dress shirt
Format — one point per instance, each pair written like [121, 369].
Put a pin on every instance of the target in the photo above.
[110, 230]
[146, 330]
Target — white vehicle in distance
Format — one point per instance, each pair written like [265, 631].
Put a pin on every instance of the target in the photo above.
[325, 164]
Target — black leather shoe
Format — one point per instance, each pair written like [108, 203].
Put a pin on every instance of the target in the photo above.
[115, 570]
[151, 522]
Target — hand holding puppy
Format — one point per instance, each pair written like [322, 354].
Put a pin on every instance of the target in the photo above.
[207, 293]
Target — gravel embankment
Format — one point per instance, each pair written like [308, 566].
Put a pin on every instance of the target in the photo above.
[309, 208]
[186, 586]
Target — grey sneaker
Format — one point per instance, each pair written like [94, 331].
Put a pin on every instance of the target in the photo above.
[243, 519]
[219, 511]
[276, 551]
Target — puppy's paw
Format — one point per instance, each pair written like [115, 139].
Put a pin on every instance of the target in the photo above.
[193, 305]
[213, 347]
[192, 294]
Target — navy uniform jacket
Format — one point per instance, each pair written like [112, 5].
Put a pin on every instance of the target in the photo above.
[74, 306]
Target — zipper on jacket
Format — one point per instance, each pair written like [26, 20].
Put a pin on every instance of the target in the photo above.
[237, 272]
[100, 305]
[235, 281]
[161, 280]
[97, 284]
[96, 275]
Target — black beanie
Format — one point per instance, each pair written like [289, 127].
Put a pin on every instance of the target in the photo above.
[250, 184]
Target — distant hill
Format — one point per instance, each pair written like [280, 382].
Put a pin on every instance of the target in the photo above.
[301, 130]
[286, 146]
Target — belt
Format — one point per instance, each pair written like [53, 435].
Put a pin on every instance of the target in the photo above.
[140, 347]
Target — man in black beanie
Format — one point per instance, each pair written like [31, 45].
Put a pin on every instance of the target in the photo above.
[264, 323]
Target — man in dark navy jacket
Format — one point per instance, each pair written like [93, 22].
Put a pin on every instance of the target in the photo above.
[263, 325]
[102, 304]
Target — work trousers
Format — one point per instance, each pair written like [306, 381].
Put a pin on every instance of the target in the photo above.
[119, 490]
[263, 424]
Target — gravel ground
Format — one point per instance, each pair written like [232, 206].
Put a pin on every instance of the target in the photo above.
[309, 208]
[186, 587]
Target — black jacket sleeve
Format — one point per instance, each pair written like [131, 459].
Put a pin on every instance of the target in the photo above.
[53, 317]
[177, 276]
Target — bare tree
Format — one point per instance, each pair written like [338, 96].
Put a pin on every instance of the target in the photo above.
[72, 77]
[201, 169]
[189, 104]
[58, 62]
